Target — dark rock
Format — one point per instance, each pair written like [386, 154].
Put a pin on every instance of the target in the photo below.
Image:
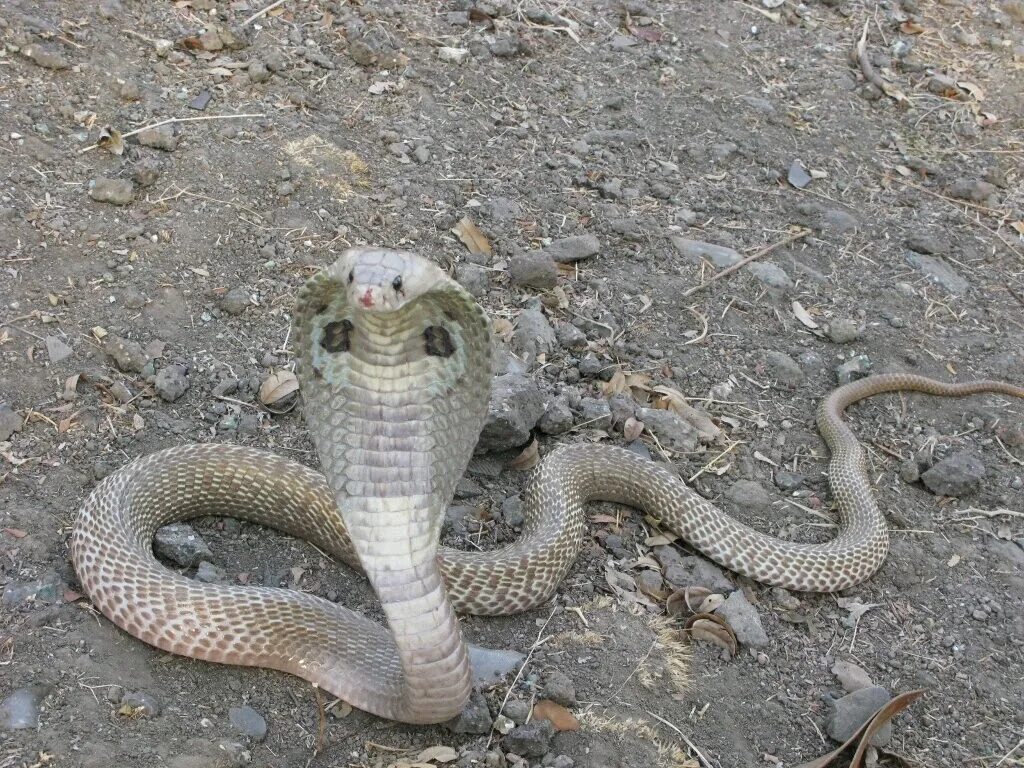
[171, 382]
[596, 413]
[855, 368]
[515, 407]
[958, 475]
[939, 271]
[697, 251]
[127, 355]
[533, 269]
[142, 702]
[788, 481]
[693, 571]
[10, 422]
[842, 331]
[571, 249]
[20, 709]
[475, 718]
[248, 722]
[749, 494]
[533, 336]
[853, 710]
[474, 278]
[113, 191]
[530, 740]
[162, 138]
[235, 301]
[672, 430]
[44, 590]
[557, 417]
[559, 688]
[783, 368]
[179, 543]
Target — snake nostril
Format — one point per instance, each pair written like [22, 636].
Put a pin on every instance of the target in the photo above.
[439, 341]
[336, 336]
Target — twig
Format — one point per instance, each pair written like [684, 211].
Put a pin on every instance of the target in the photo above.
[683, 736]
[753, 257]
[263, 12]
[172, 120]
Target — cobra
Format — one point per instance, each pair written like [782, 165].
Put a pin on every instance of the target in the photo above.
[394, 366]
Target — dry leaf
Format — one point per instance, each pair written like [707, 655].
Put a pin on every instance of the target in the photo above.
[110, 140]
[71, 595]
[438, 754]
[1019, 226]
[201, 271]
[71, 387]
[528, 459]
[972, 88]
[911, 28]
[471, 236]
[15, 532]
[713, 629]
[560, 717]
[856, 609]
[616, 385]
[803, 315]
[686, 602]
[278, 386]
[660, 539]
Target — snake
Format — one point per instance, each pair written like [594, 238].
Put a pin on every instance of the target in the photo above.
[394, 363]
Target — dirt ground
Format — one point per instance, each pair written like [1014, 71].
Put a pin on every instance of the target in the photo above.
[648, 126]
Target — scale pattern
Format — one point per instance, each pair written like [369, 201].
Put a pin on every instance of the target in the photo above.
[395, 376]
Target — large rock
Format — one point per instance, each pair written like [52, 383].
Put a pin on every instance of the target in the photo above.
[957, 475]
[515, 407]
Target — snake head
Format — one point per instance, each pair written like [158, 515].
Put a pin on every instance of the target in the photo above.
[379, 280]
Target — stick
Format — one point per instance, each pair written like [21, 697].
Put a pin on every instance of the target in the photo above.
[171, 120]
[264, 12]
[753, 257]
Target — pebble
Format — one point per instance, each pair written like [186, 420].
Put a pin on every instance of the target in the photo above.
[44, 590]
[518, 711]
[851, 676]
[491, 665]
[853, 710]
[788, 481]
[505, 47]
[559, 688]
[570, 337]
[855, 368]
[248, 722]
[10, 422]
[209, 573]
[235, 301]
[557, 417]
[533, 269]
[749, 494]
[515, 406]
[475, 718]
[936, 269]
[692, 571]
[474, 278]
[670, 428]
[258, 71]
[171, 382]
[142, 702]
[20, 709]
[783, 368]
[697, 251]
[798, 175]
[146, 172]
[928, 243]
[785, 599]
[533, 336]
[842, 331]
[572, 249]
[113, 191]
[46, 57]
[181, 544]
[975, 190]
[530, 740]
[957, 475]
[162, 138]
[770, 274]
[596, 413]
[744, 620]
[57, 350]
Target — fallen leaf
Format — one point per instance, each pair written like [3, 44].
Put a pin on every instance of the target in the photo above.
[615, 385]
[277, 386]
[803, 315]
[909, 27]
[660, 539]
[201, 271]
[503, 328]
[686, 602]
[110, 140]
[560, 717]
[438, 754]
[528, 459]
[471, 236]
[972, 88]
[632, 429]
[713, 629]
[16, 533]
[71, 387]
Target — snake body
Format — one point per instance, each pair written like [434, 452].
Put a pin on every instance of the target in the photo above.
[394, 367]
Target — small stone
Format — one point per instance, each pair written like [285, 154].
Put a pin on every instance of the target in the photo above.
[506, 46]
[533, 269]
[783, 368]
[798, 175]
[127, 355]
[248, 722]
[530, 740]
[788, 481]
[958, 475]
[20, 710]
[162, 138]
[770, 274]
[142, 703]
[785, 599]
[559, 688]
[842, 331]
[17, 593]
[179, 543]
[504, 724]
[235, 301]
[672, 430]
[749, 494]
[533, 336]
[939, 271]
[171, 382]
[596, 413]
[744, 620]
[557, 417]
[363, 52]
[724, 151]
[515, 406]
[475, 718]
[421, 154]
[113, 191]
[517, 710]
[209, 573]
[910, 471]
[928, 243]
[10, 422]
[851, 676]
[697, 251]
[258, 71]
[474, 278]
[975, 190]
[570, 337]
[853, 710]
[46, 57]
[492, 665]
[57, 350]
[146, 172]
[452, 55]
[692, 571]
[855, 368]
[572, 249]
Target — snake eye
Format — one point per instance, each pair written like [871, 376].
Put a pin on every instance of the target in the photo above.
[351, 276]
[439, 342]
[336, 336]
[397, 284]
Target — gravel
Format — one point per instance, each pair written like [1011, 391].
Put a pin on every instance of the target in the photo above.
[530, 740]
